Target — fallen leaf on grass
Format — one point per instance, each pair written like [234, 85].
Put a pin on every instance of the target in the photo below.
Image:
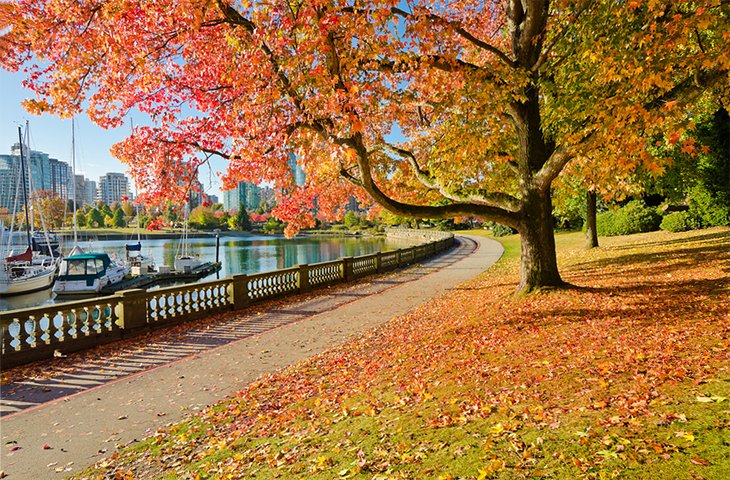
[711, 399]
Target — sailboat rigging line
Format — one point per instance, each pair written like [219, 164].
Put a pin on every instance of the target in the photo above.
[25, 193]
[9, 246]
[73, 180]
[35, 198]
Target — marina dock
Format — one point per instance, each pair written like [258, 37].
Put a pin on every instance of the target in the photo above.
[155, 279]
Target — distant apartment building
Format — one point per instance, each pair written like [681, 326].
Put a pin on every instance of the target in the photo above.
[112, 187]
[213, 199]
[245, 193]
[353, 205]
[90, 190]
[42, 173]
[195, 195]
[85, 191]
[296, 170]
[60, 177]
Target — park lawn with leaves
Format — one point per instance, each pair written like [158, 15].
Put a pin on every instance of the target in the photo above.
[623, 376]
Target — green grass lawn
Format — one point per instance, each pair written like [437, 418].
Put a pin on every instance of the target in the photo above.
[623, 376]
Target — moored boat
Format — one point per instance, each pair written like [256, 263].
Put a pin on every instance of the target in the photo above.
[35, 268]
[88, 273]
[19, 274]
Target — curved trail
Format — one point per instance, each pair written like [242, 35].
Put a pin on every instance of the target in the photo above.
[82, 416]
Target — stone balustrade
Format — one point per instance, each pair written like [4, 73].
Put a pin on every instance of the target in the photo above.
[38, 333]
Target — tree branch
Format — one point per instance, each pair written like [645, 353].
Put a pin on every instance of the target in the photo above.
[554, 165]
[545, 54]
[480, 196]
[367, 183]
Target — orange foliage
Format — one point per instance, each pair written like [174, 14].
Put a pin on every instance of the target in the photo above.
[331, 81]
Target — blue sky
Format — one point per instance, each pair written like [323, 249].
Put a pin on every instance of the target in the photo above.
[52, 135]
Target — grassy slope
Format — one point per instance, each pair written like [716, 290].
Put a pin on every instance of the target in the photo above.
[622, 377]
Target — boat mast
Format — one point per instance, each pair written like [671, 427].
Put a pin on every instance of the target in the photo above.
[73, 179]
[25, 186]
[136, 193]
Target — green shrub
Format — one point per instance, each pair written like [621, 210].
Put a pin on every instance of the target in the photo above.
[273, 225]
[711, 210]
[499, 230]
[634, 217]
[680, 222]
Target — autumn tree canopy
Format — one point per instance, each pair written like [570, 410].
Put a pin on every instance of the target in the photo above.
[428, 108]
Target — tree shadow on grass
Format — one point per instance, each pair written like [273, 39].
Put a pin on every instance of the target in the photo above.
[722, 235]
[648, 303]
[686, 255]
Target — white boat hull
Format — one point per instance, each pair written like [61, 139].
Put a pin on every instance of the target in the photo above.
[113, 275]
[17, 286]
[186, 264]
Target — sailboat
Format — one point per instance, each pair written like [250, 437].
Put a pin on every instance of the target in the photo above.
[139, 263]
[26, 272]
[85, 273]
[185, 261]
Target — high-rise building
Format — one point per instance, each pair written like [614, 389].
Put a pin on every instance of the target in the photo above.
[268, 195]
[296, 170]
[245, 193]
[89, 192]
[43, 173]
[60, 178]
[9, 173]
[195, 196]
[353, 205]
[40, 167]
[85, 191]
[112, 187]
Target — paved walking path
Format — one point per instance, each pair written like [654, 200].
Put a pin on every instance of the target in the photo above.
[84, 415]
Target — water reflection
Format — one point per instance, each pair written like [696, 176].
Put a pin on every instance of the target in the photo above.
[237, 255]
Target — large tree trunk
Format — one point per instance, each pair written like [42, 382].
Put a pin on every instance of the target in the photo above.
[591, 231]
[538, 262]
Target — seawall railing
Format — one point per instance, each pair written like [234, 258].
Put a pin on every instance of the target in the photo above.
[39, 333]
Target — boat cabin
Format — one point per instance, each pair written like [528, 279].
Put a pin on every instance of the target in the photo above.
[88, 266]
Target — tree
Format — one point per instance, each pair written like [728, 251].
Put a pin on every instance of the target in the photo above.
[127, 208]
[241, 220]
[48, 210]
[105, 210]
[80, 219]
[392, 219]
[351, 219]
[170, 214]
[51, 209]
[95, 218]
[203, 218]
[700, 159]
[493, 99]
[272, 226]
[143, 218]
[118, 219]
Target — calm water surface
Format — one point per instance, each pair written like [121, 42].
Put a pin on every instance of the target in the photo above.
[237, 255]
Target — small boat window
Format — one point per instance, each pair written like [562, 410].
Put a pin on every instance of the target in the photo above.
[93, 267]
[76, 267]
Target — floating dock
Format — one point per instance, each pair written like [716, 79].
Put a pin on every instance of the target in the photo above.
[155, 279]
